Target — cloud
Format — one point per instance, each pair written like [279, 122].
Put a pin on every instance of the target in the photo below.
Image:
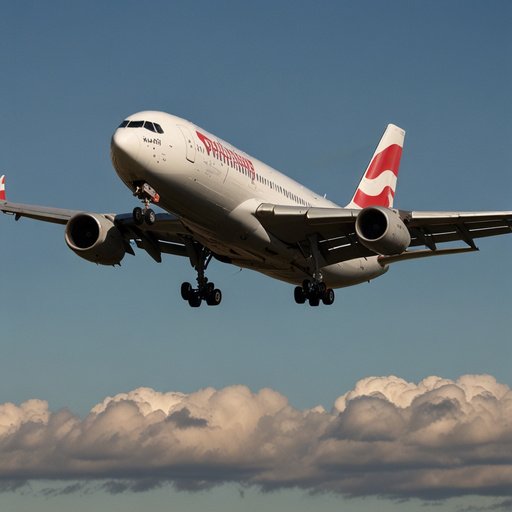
[502, 506]
[388, 437]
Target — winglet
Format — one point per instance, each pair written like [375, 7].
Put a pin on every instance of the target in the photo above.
[2, 188]
[377, 187]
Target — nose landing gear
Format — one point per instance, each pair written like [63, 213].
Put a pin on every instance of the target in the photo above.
[147, 195]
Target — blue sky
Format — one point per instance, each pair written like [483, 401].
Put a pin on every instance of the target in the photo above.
[308, 88]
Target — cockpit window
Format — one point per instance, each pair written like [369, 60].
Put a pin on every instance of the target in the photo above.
[135, 124]
[149, 125]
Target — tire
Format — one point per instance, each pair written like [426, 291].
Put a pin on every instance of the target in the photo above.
[306, 286]
[328, 297]
[186, 290]
[299, 295]
[194, 299]
[149, 217]
[314, 300]
[138, 216]
[214, 298]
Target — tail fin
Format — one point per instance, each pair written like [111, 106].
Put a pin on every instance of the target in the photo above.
[2, 188]
[377, 187]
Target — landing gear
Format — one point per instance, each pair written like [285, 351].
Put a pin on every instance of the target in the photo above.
[147, 195]
[138, 215]
[314, 292]
[195, 296]
[146, 215]
[149, 216]
[200, 257]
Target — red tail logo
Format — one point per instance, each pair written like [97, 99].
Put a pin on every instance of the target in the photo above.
[2, 188]
[378, 185]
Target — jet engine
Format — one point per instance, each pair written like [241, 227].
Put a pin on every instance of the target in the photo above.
[382, 230]
[95, 238]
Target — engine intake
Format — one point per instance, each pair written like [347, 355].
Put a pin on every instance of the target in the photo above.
[95, 238]
[382, 231]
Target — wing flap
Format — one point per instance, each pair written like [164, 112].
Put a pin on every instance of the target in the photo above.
[431, 228]
[426, 253]
[164, 236]
[431, 218]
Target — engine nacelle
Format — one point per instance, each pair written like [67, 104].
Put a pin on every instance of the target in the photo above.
[95, 238]
[382, 231]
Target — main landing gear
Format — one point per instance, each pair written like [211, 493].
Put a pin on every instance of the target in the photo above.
[200, 257]
[147, 195]
[314, 292]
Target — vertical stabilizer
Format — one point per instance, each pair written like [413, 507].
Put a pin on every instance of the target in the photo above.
[2, 188]
[377, 187]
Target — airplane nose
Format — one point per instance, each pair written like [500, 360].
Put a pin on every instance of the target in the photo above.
[125, 144]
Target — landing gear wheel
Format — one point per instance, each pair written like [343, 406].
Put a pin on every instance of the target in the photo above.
[214, 297]
[328, 296]
[299, 295]
[307, 286]
[186, 290]
[138, 216]
[200, 258]
[313, 292]
[314, 300]
[194, 299]
[149, 216]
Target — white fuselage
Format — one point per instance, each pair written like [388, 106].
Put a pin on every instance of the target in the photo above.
[214, 188]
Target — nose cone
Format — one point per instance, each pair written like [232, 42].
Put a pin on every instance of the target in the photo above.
[125, 144]
[126, 155]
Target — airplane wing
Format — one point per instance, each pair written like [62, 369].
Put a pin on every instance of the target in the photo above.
[164, 236]
[334, 230]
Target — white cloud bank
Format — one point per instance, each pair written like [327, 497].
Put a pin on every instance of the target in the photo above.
[388, 437]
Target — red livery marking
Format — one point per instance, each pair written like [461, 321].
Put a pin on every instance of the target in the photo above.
[363, 200]
[386, 160]
[2, 188]
[226, 155]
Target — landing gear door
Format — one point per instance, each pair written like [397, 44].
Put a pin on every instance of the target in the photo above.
[190, 145]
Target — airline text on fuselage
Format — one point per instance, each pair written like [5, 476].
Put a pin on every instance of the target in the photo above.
[226, 155]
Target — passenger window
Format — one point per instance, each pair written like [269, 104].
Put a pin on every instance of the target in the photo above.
[158, 128]
[149, 126]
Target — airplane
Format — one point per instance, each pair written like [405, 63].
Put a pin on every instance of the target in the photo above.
[222, 203]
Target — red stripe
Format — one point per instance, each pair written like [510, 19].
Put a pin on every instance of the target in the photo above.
[386, 160]
[363, 200]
